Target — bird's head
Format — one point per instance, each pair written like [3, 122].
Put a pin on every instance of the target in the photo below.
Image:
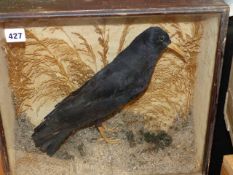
[158, 40]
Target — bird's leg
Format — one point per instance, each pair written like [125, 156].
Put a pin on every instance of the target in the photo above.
[101, 129]
[108, 129]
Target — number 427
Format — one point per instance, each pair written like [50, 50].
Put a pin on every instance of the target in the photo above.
[15, 35]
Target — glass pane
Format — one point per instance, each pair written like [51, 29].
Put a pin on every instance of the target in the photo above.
[160, 132]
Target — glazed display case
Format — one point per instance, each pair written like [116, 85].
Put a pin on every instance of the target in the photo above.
[228, 108]
[168, 130]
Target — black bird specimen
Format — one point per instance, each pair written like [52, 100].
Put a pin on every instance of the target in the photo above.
[121, 81]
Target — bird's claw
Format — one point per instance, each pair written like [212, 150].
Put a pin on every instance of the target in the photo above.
[110, 141]
[105, 138]
[109, 129]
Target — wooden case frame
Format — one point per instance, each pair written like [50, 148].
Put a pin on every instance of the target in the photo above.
[17, 10]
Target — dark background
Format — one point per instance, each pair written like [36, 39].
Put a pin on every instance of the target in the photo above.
[222, 142]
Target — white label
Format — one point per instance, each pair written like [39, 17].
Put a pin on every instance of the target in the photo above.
[15, 35]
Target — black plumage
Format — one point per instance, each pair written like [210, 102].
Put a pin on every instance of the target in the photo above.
[127, 76]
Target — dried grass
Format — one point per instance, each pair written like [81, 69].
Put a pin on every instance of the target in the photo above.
[103, 42]
[87, 50]
[45, 69]
[124, 34]
[18, 79]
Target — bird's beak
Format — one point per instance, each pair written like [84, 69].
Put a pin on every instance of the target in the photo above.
[178, 51]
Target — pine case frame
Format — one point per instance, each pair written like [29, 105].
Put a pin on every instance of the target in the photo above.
[104, 8]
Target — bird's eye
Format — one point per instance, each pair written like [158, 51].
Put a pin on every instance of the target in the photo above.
[161, 38]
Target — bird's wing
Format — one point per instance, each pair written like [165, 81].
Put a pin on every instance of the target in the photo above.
[110, 79]
[104, 84]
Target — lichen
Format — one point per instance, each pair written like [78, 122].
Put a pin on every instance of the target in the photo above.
[160, 140]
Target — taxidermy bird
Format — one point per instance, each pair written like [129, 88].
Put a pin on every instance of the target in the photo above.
[120, 82]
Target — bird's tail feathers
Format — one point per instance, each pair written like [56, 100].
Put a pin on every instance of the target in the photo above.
[48, 139]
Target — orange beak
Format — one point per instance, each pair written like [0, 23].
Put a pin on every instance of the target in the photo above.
[178, 51]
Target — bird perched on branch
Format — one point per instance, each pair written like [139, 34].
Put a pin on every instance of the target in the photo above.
[121, 81]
